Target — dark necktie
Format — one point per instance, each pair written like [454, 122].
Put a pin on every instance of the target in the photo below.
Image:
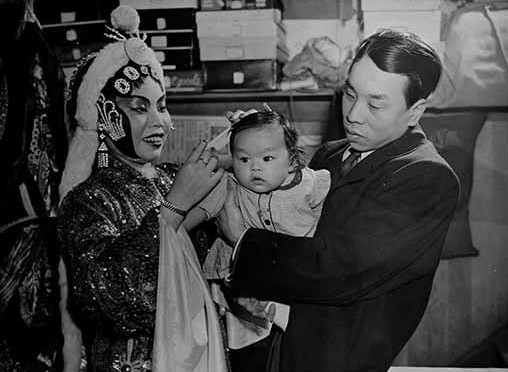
[349, 162]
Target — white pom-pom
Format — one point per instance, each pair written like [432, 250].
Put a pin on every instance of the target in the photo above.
[125, 18]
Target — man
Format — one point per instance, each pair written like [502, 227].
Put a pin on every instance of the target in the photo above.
[358, 289]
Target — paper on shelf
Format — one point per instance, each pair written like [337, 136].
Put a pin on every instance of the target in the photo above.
[189, 130]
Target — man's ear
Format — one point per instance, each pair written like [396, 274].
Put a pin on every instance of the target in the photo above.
[416, 111]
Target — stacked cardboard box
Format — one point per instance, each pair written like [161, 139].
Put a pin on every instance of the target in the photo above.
[170, 29]
[423, 17]
[73, 30]
[241, 49]
[239, 4]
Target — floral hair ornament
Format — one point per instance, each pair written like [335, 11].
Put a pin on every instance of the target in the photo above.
[109, 60]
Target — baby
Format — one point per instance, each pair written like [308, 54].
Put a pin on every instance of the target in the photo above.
[273, 189]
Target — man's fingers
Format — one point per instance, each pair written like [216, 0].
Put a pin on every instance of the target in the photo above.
[257, 307]
[243, 301]
[270, 314]
[262, 303]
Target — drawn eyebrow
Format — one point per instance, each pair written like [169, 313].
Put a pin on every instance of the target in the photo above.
[140, 97]
[146, 100]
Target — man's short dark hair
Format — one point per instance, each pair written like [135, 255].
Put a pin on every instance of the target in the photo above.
[406, 54]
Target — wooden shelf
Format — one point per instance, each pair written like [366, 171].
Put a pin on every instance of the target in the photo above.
[452, 110]
[300, 105]
[242, 96]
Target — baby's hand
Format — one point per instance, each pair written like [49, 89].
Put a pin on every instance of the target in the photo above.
[259, 308]
[235, 116]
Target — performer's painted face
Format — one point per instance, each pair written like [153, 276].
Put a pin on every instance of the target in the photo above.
[149, 121]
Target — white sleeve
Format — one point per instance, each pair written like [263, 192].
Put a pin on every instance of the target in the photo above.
[214, 200]
[321, 186]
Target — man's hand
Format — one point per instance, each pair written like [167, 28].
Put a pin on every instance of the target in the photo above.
[258, 308]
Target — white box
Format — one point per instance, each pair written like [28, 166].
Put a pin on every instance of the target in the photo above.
[239, 49]
[344, 34]
[240, 29]
[426, 24]
[399, 5]
[239, 16]
[160, 4]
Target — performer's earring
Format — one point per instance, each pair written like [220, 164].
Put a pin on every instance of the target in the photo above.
[102, 151]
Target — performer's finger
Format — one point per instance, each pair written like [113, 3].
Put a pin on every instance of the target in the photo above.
[267, 107]
[196, 152]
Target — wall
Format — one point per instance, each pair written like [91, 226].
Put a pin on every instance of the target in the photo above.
[470, 295]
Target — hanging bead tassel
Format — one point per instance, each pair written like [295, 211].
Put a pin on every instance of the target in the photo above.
[102, 153]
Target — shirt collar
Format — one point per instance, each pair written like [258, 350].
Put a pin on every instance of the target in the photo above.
[363, 155]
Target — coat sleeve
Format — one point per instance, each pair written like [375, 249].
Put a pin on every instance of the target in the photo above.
[395, 235]
[112, 271]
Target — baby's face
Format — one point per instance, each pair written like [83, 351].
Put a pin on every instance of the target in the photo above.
[260, 159]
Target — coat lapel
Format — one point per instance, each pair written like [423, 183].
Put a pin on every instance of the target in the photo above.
[413, 138]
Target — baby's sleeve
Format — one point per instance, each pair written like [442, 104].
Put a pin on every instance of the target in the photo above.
[213, 202]
[321, 186]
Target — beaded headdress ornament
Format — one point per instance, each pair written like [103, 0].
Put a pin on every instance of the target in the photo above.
[96, 115]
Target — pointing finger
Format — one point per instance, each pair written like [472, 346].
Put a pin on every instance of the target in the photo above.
[197, 152]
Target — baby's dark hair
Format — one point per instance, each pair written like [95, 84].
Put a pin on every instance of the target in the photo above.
[267, 118]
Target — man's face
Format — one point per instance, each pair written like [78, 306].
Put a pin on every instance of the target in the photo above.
[374, 107]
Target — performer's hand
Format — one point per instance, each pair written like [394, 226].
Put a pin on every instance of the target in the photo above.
[258, 308]
[197, 176]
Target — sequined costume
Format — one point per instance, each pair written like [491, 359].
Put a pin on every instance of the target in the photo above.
[109, 230]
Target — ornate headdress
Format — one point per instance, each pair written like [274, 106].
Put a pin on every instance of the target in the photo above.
[134, 59]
